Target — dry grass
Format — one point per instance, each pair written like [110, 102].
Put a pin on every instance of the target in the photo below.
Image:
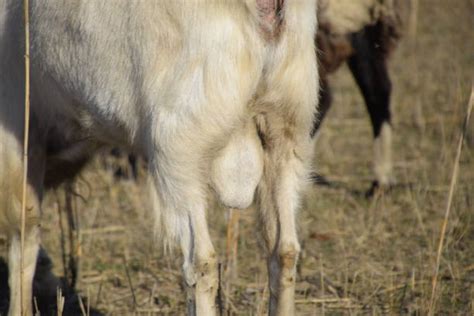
[361, 256]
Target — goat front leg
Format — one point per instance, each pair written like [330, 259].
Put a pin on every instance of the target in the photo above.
[21, 288]
[370, 70]
[21, 275]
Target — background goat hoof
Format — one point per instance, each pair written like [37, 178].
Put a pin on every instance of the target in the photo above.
[377, 188]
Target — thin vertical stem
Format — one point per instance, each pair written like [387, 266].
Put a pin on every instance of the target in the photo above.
[450, 200]
[25, 150]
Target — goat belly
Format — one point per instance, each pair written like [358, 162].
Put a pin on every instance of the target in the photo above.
[238, 168]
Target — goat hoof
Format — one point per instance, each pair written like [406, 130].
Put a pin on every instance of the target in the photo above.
[377, 188]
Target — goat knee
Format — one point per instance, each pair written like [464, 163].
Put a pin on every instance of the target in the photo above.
[288, 256]
[206, 273]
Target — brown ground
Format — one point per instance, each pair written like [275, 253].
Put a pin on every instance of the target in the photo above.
[361, 256]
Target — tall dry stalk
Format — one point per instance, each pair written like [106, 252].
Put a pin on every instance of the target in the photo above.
[454, 178]
[25, 149]
[413, 38]
[232, 243]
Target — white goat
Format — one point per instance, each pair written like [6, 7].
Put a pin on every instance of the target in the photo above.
[214, 93]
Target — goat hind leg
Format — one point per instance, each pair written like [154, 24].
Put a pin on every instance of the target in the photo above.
[199, 267]
[181, 217]
[285, 132]
[278, 201]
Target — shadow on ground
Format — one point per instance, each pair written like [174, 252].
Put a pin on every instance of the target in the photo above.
[46, 285]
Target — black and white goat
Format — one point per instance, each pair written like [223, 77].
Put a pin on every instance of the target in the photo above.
[362, 33]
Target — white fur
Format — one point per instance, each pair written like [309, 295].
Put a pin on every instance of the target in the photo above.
[172, 80]
[383, 155]
[237, 170]
[349, 16]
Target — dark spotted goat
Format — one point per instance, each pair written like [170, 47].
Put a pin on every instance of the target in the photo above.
[362, 33]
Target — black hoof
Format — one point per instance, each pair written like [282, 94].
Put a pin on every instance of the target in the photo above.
[376, 187]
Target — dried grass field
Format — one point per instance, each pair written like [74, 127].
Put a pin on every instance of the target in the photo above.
[360, 255]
